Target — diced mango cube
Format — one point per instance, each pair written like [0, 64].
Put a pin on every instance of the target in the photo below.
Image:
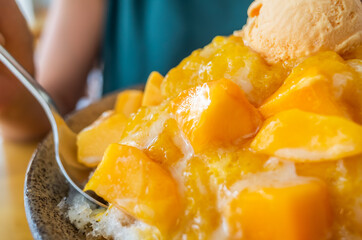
[225, 57]
[303, 136]
[310, 93]
[216, 113]
[145, 126]
[153, 130]
[128, 102]
[344, 181]
[167, 147]
[323, 84]
[131, 181]
[93, 140]
[298, 211]
[152, 95]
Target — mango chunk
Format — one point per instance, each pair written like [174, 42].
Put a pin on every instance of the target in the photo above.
[128, 102]
[226, 57]
[344, 181]
[303, 136]
[153, 130]
[298, 211]
[323, 84]
[167, 148]
[93, 140]
[144, 126]
[216, 113]
[152, 95]
[131, 181]
[312, 94]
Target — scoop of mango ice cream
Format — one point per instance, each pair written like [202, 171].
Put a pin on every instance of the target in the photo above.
[284, 30]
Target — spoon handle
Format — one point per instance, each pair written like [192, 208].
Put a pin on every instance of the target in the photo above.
[29, 82]
[64, 138]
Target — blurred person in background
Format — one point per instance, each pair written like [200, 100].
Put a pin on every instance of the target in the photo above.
[133, 38]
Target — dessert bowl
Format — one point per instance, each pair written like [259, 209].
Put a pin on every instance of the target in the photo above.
[227, 145]
[45, 186]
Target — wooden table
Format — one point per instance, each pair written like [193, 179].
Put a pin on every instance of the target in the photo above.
[14, 158]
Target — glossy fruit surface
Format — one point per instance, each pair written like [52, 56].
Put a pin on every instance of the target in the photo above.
[298, 211]
[152, 95]
[93, 140]
[323, 84]
[128, 102]
[129, 180]
[303, 136]
[226, 146]
[216, 114]
[225, 57]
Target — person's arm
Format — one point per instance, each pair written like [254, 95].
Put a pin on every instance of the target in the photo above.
[15, 101]
[68, 48]
[71, 40]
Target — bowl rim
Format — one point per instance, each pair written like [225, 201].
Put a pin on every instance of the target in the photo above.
[33, 225]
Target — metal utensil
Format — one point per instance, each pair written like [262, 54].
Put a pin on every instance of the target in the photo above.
[64, 138]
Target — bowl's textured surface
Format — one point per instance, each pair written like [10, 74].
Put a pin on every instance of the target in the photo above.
[45, 186]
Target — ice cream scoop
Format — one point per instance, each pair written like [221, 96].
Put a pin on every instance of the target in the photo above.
[283, 30]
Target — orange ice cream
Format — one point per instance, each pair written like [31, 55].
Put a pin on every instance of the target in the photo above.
[283, 30]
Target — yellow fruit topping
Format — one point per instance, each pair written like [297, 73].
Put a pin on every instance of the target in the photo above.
[144, 126]
[303, 136]
[93, 140]
[131, 181]
[323, 84]
[167, 147]
[216, 113]
[226, 146]
[225, 57]
[227, 167]
[128, 102]
[203, 178]
[298, 211]
[152, 95]
[201, 217]
[344, 181]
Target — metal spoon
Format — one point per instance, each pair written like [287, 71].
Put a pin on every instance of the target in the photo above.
[64, 138]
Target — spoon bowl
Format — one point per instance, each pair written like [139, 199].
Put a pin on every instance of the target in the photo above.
[64, 138]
